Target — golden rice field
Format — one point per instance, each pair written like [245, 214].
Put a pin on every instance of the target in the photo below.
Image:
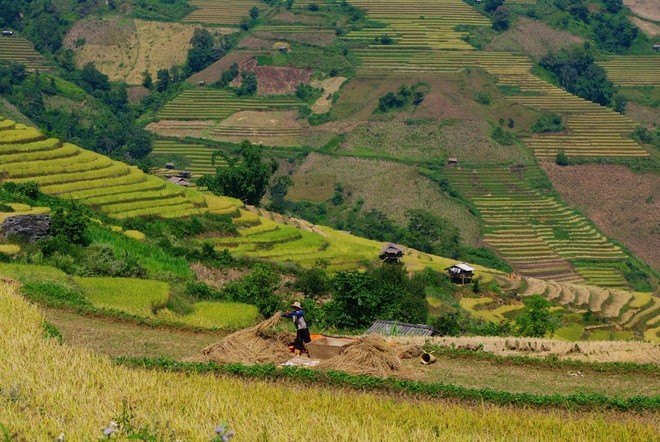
[51, 389]
[19, 50]
[633, 70]
[199, 156]
[68, 171]
[218, 104]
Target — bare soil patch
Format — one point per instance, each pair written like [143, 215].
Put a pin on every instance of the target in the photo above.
[650, 29]
[272, 128]
[391, 188]
[254, 43]
[533, 37]
[624, 205]
[649, 9]
[124, 49]
[136, 93]
[329, 86]
[264, 120]
[280, 80]
[216, 278]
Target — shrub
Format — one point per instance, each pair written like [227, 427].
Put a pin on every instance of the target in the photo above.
[548, 123]
[482, 98]
[535, 319]
[561, 159]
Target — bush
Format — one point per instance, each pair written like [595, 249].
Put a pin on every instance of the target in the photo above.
[502, 137]
[482, 98]
[71, 224]
[548, 123]
[561, 159]
[536, 320]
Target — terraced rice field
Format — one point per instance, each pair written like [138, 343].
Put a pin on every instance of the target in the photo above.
[199, 156]
[537, 234]
[215, 104]
[218, 12]
[275, 237]
[633, 70]
[66, 170]
[19, 50]
[628, 310]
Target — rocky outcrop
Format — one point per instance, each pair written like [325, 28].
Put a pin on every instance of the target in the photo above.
[28, 227]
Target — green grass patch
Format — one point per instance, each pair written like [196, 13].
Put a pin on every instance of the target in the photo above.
[134, 296]
[571, 332]
[216, 315]
[30, 272]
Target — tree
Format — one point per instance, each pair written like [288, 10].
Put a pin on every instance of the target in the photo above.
[246, 179]
[147, 81]
[501, 18]
[561, 159]
[71, 225]
[536, 320]
[492, 5]
[613, 6]
[249, 84]
[278, 192]
[257, 288]
[93, 80]
[614, 32]
[254, 13]
[432, 234]
[201, 54]
[163, 80]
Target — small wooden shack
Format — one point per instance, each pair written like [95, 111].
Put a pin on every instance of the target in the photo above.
[460, 273]
[391, 253]
[452, 162]
[656, 47]
[170, 166]
[178, 181]
[7, 33]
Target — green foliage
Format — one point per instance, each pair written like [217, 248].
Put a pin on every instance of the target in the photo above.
[55, 294]
[257, 288]
[482, 98]
[562, 159]
[307, 93]
[100, 260]
[575, 71]
[51, 332]
[385, 292]
[548, 123]
[313, 283]
[400, 99]
[249, 85]
[161, 10]
[318, 119]
[614, 32]
[71, 225]
[228, 76]
[246, 180]
[502, 136]
[535, 319]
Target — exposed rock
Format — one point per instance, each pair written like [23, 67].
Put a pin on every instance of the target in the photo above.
[29, 227]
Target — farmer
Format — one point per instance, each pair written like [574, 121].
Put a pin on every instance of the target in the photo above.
[302, 332]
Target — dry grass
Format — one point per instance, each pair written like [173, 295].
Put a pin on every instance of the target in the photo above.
[372, 181]
[603, 351]
[649, 9]
[329, 86]
[369, 355]
[53, 389]
[123, 50]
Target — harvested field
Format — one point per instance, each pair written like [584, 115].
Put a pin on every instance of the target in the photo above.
[272, 128]
[646, 115]
[254, 43]
[371, 180]
[324, 38]
[604, 194]
[180, 128]
[329, 86]
[649, 9]
[596, 351]
[272, 80]
[123, 49]
[136, 93]
[532, 37]
[369, 355]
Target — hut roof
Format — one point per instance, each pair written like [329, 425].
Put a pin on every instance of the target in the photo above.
[178, 181]
[452, 160]
[462, 266]
[392, 249]
[396, 328]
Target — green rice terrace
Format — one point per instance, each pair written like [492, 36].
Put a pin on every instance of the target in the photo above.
[17, 49]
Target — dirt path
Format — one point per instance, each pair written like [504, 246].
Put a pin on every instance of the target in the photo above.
[116, 338]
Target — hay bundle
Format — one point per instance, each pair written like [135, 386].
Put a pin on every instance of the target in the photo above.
[369, 355]
[410, 351]
[260, 344]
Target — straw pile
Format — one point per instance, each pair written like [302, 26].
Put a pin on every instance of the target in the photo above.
[260, 344]
[369, 355]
